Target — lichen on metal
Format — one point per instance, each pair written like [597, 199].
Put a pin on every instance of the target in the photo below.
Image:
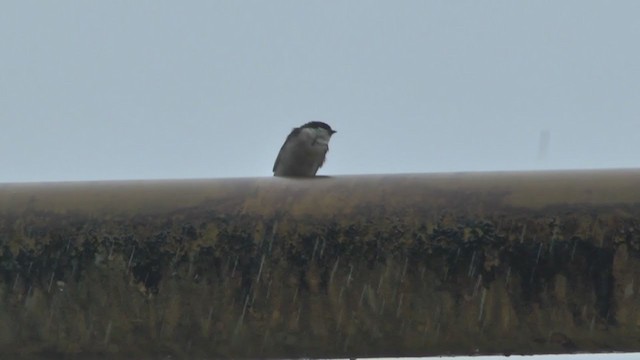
[348, 266]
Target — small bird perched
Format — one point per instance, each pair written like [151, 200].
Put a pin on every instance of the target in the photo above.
[303, 153]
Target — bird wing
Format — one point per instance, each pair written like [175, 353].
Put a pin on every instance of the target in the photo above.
[293, 133]
[324, 157]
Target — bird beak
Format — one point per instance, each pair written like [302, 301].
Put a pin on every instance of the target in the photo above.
[333, 132]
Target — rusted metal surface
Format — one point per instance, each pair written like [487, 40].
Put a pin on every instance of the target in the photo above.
[433, 264]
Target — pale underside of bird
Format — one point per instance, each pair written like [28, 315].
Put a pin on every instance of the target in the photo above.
[304, 150]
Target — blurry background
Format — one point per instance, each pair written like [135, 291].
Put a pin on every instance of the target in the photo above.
[165, 89]
[203, 89]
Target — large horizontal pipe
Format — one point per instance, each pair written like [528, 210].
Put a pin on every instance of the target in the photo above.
[350, 266]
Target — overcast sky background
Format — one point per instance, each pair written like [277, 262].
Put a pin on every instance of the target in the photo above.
[208, 89]
[202, 89]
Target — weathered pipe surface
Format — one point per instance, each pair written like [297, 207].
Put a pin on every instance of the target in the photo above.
[475, 263]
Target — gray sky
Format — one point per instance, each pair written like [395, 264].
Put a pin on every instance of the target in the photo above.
[200, 89]
[167, 89]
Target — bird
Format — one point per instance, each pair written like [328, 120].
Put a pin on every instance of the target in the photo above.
[304, 150]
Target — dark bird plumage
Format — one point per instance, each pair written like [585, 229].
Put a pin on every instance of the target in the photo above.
[304, 150]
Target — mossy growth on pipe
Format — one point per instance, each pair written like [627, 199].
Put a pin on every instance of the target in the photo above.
[334, 267]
